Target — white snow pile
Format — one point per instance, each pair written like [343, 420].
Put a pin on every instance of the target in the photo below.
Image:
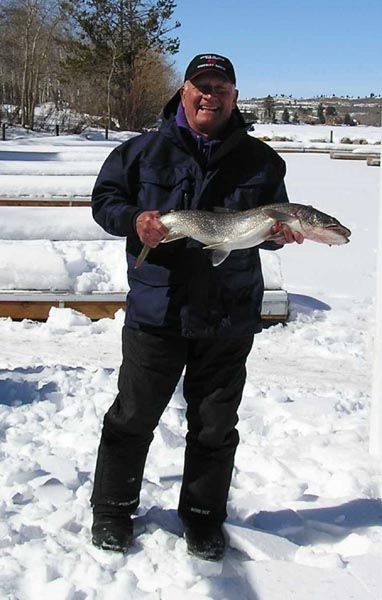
[304, 513]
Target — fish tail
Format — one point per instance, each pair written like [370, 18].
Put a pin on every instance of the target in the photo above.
[142, 256]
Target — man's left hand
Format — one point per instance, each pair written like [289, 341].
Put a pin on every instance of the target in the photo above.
[282, 234]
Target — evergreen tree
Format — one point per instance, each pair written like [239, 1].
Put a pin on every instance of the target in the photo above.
[321, 114]
[348, 120]
[285, 116]
[269, 108]
[111, 40]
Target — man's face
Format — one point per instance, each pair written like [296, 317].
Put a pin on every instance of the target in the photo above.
[208, 101]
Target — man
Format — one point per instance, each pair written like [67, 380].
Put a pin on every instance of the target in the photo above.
[182, 311]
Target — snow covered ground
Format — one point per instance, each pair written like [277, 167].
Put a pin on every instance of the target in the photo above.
[305, 515]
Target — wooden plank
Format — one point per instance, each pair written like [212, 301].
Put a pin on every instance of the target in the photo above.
[37, 311]
[96, 310]
[291, 150]
[348, 155]
[36, 305]
[44, 202]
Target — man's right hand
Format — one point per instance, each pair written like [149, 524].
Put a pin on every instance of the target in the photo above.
[149, 228]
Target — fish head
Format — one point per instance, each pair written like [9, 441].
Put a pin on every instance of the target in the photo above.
[321, 227]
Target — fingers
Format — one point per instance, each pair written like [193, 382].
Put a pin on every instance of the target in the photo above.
[284, 234]
[298, 237]
[149, 228]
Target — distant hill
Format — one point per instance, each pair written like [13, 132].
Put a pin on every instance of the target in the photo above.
[333, 110]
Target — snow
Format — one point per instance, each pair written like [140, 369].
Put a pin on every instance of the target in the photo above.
[305, 510]
[308, 135]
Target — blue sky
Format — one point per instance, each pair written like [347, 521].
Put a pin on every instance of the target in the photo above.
[298, 47]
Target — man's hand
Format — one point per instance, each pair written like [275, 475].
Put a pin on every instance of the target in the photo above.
[282, 234]
[149, 228]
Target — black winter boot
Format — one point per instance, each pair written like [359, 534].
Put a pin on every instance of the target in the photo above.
[205, 541]
[112, 532]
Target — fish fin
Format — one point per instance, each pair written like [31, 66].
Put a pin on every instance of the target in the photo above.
[142, 256]
[218, 256]
[171, 237]
[224, 210]
[219, 246]
[278, 215]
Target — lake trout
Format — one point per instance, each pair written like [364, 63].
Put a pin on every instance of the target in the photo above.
[223, 231]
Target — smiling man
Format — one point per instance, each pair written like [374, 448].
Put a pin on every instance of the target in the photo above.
[209, 95]
[181, 312]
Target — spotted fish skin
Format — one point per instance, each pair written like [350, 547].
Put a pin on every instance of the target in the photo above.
[222, 232]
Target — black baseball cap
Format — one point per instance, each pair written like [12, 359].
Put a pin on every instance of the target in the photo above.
[210, 62]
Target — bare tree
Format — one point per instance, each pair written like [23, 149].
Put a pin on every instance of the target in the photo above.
[28, 29]
[153, 83]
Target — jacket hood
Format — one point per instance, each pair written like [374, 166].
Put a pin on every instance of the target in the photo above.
[236, 120]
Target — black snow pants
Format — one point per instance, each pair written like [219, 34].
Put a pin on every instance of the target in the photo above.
[213, 383]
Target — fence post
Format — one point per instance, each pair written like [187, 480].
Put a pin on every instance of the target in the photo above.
[57, 129]
[331, 136]
[106, 133]
[3, 130]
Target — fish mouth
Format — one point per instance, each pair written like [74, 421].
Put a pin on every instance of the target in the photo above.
[340, 229]
[339, 233]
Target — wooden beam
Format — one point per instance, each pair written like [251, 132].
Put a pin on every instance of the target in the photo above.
[45, 202]
[349, 155]
[36, 305]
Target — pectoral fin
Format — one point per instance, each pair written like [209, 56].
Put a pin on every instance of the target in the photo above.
[218, 246]
[171, 237]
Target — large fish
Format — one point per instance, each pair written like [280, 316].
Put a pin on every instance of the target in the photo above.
[222, 232]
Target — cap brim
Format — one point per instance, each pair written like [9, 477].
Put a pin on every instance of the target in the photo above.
[214, 71]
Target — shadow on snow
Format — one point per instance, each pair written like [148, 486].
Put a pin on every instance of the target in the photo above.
[23, 386]
[18, 393]
[320, 525]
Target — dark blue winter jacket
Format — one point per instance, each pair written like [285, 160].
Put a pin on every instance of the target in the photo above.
[177, 290]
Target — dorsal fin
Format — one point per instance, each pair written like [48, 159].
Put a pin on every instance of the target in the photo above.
[224, 210]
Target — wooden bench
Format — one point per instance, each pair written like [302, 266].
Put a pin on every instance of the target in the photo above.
[35, 305]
